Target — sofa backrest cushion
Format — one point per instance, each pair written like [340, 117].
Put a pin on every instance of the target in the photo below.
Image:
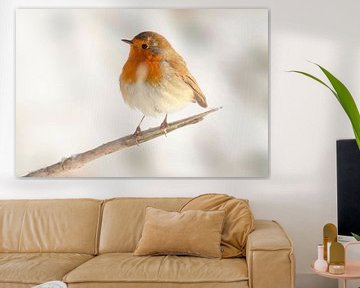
[239, 220]
[66, 226]
[123, 220]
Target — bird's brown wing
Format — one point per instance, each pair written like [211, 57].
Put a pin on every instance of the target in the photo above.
[199, 96]
[178, 63]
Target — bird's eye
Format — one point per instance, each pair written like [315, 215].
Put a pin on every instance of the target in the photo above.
[144, 46]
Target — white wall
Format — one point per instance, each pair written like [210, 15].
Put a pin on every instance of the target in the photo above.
[305, 122]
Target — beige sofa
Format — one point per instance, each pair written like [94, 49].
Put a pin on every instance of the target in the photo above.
[89, 243]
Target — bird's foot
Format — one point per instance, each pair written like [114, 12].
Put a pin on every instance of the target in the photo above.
[164, 125]
[137, 134]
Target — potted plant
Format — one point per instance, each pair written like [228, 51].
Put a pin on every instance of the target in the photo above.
[346, 100]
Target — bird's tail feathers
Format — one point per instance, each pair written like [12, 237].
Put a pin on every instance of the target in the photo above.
[201, 100]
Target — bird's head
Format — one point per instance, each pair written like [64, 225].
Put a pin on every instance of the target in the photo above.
[149, 45]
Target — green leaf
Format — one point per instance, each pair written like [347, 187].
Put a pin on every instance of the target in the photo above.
[357, 237]
[347, 102]
[357, 137]
[344, 97]
[314, 78]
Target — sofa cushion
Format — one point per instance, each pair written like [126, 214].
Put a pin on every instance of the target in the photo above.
[127, 268]
[36, 268]
[64, 226]
[123, 220]
[193, 232]
[238, 223]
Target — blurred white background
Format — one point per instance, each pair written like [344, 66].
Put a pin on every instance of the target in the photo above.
[68, 100]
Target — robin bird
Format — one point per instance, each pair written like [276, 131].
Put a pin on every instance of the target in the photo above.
[155, 79]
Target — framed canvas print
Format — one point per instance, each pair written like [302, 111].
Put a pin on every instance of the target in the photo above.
[142, 93]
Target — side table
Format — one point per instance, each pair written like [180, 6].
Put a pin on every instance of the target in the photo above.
[352, 268]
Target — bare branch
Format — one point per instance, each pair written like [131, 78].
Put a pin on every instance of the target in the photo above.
[79, 160]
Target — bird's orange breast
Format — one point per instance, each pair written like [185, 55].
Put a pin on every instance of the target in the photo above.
[154, 71]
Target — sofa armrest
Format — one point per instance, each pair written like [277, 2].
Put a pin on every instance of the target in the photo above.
[269, 256]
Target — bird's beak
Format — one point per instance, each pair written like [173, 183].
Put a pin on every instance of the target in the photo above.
[127, 41]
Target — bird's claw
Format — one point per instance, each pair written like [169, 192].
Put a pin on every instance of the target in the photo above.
[164, 125]
[137, 134]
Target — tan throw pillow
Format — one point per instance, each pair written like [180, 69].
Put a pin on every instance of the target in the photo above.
[239, 220]
[196, 233]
